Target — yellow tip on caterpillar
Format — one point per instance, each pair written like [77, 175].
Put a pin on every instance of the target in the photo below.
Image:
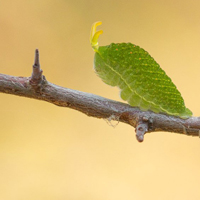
[94, 36]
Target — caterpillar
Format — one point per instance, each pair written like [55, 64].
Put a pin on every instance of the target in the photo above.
[141, 81]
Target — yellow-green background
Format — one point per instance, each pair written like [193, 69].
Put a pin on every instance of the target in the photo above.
[54, 153]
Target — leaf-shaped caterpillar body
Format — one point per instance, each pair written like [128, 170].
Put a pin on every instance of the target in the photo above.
[141, 80]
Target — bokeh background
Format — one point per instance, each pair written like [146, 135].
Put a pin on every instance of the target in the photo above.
[48, 152]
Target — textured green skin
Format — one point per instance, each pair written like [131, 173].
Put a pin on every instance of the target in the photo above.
[141, 80]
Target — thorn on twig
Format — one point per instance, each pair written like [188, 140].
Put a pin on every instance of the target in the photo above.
[36, 77]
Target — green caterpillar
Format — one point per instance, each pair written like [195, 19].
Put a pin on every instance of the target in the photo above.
[141, 80]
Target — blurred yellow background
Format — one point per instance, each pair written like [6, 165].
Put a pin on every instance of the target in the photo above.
[54, 153]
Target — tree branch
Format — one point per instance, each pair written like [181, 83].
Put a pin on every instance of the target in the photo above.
[38, 87]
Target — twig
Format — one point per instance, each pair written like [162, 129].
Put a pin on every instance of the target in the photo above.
[37, 87]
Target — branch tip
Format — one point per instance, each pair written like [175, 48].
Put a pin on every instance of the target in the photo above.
[37, 63]
[36, 77]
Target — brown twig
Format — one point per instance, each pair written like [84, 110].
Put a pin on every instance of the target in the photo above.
[92, 105]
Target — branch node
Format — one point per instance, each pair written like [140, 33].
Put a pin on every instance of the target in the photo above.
[141, 129]
[144, 125]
